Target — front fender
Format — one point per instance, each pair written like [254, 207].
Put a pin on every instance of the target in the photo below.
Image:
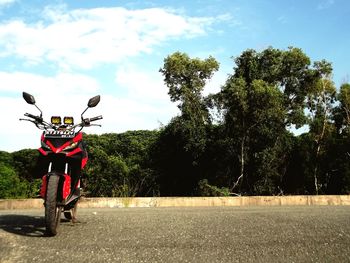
[64, 186]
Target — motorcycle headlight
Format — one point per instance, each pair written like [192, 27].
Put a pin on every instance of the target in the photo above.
[71, 146]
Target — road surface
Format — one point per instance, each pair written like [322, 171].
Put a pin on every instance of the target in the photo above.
[213, 234]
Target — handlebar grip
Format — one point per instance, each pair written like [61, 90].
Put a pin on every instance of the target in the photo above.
[30, 115]
[37, 118]
[96, 118]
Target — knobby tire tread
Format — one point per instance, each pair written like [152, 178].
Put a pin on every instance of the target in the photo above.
[52, 213]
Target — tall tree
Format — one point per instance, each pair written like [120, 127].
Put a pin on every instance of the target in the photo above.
[183, 141]
[320, 104]
[338, 153]
[265, 95]
[186, 77]
[253, 120]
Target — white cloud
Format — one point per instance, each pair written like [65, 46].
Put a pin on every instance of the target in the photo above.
[84, 38]
[63, 83]
[215, 83]
[141, 84]
[146, 102]
[6, 2]
[122, 114]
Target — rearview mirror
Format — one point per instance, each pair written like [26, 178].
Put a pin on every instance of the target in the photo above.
[28, 98]
[94, 101]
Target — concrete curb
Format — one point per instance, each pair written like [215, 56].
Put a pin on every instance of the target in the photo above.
[8, 204]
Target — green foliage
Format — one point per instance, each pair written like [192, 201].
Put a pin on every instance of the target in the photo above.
[6, 158]
[341, 113]
[16, 178]
[24, 162]
[205, 189]
[119, 164]
[186, 77]
[177, 175]
[10, 184]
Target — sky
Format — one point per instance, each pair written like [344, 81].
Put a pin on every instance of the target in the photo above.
[65, 52]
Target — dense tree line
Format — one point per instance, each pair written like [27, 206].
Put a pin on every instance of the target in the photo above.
[239, 141]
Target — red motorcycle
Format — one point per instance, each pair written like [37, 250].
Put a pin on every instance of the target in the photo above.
[63, 156]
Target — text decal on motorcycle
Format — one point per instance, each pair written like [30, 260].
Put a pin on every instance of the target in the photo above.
[59, 134]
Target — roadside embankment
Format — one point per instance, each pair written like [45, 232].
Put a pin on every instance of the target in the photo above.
[6, 204]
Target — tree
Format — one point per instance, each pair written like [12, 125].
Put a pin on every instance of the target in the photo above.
[253, 119]
[183, 141]
[186, 78]
[288, 70]
[10, 184]
[24, 162]
[265, 95]
[105, 173]
[268, 92]
[341, 113]
[320, 103]
[120, 165]
[337, 179]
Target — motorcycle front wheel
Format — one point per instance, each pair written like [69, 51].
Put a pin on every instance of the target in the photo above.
[52, 210]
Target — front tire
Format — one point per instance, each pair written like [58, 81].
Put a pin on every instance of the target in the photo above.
[52, 210]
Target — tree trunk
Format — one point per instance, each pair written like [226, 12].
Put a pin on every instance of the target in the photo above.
[320, 138]
[242, 164]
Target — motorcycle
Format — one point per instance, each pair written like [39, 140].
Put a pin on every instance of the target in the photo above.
[63, 156]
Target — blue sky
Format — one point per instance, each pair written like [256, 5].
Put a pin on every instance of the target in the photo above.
[64, 52]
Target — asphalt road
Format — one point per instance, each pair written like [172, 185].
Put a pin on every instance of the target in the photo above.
[216, 234]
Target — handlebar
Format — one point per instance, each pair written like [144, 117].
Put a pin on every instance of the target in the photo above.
[87, 121]
[39, 119]
[29, 115]
[96, 118]
[41, 124]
